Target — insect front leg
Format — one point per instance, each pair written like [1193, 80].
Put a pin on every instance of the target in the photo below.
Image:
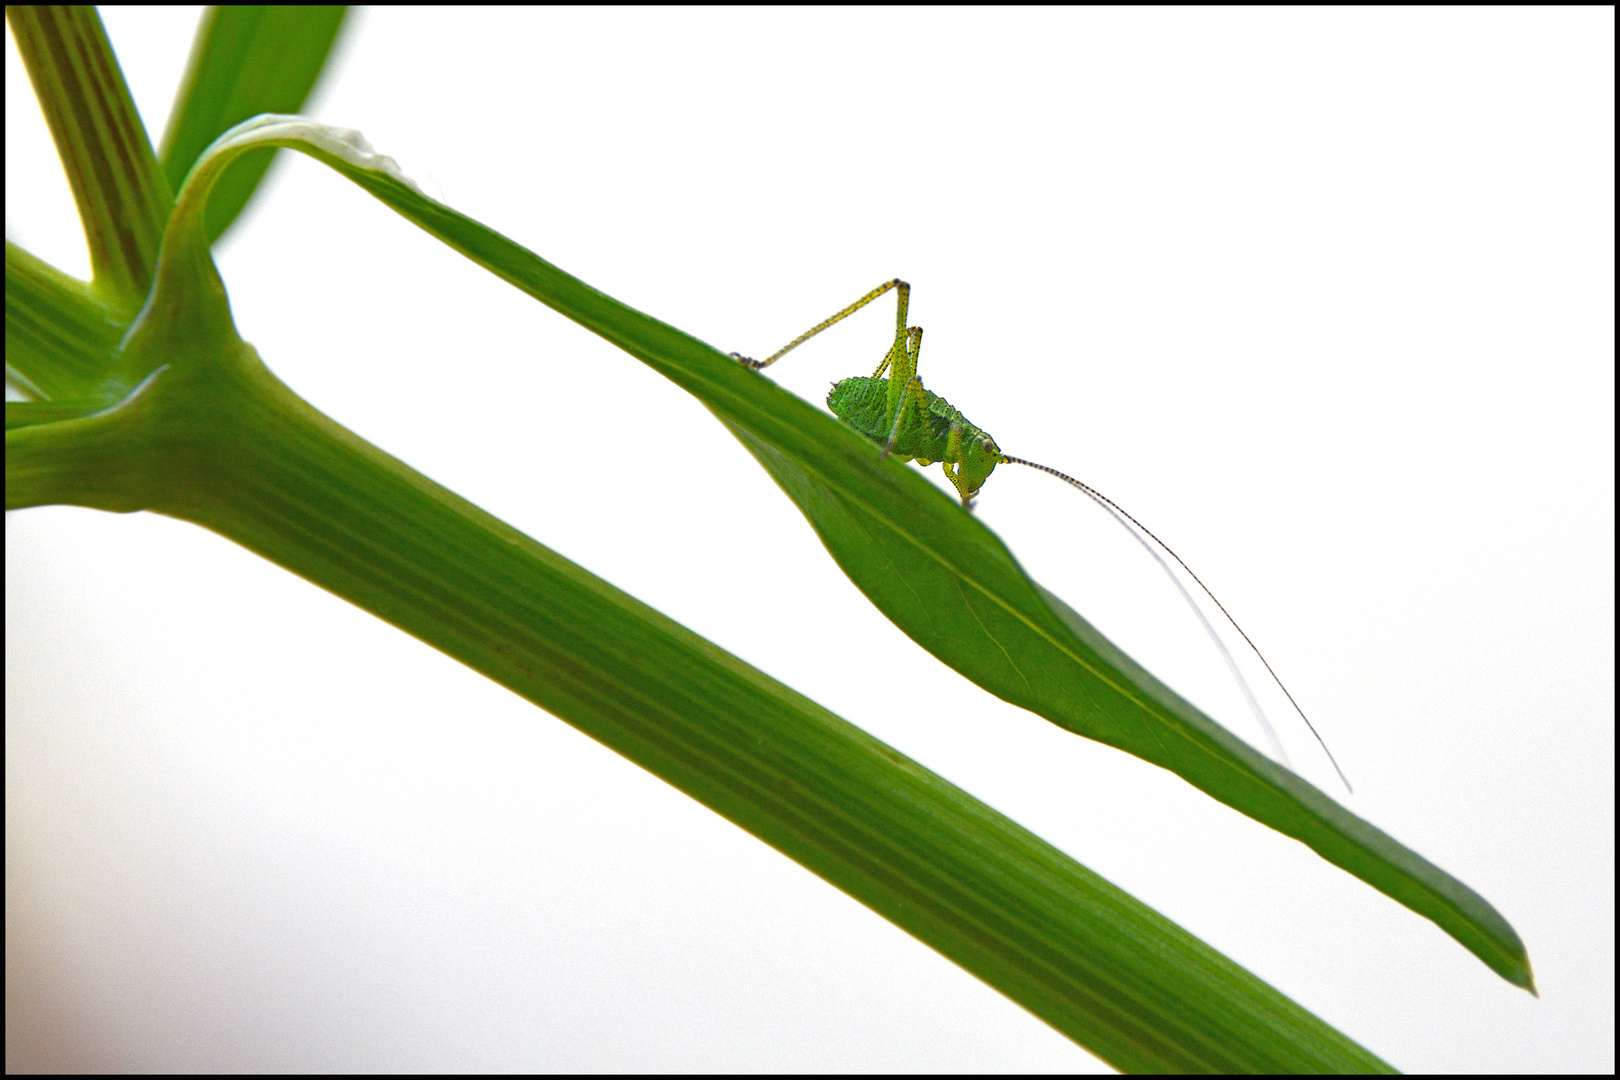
[952, 464]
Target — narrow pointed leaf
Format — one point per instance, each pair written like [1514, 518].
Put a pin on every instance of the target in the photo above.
[941, 575]
[122, 196]
[209, 435]
[60, 336]
[245, 60]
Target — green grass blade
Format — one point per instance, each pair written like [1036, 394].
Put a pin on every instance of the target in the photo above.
[212, 437]
[1025, 645]
[942, 577]
[60, 337]
[250, 461]
[122, 196]
[245, 60]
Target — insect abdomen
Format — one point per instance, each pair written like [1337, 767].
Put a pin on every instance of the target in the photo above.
[862, 402]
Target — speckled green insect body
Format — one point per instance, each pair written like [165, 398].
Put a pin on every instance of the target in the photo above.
[891, 408]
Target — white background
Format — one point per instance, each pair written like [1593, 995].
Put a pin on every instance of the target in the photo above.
[1324, 297]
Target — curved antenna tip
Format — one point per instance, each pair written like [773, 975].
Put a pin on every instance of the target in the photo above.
[1121, 515]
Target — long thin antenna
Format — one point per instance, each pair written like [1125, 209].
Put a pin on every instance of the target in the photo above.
[1116, 511]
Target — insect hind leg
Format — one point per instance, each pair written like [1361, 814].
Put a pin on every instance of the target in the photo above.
[904, 297]
[911, 390]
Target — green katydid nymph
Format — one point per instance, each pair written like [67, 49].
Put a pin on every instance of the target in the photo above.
[896, 412]
[892, 409]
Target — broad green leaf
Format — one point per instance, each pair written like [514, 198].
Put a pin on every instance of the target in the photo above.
[233, 450]
[209, 435]
[940, 575]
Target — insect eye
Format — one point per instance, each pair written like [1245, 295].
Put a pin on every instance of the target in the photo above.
[988, 447]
